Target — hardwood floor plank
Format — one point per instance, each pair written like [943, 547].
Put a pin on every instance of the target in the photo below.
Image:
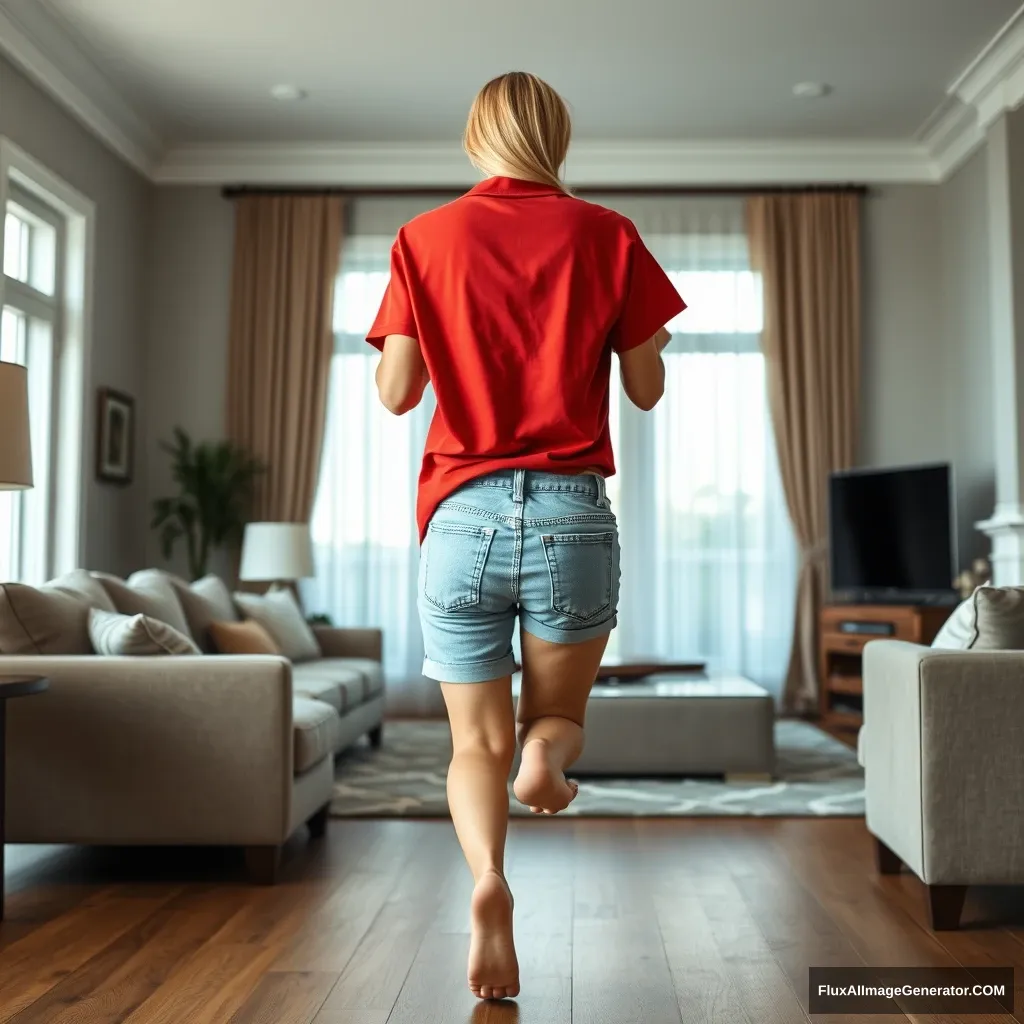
[842, 877]
[710, 921]
[796, 927]
[209, 988]
[620, 971]
[763, 988]
[41, 960]
[373, 977]
[839, 874]
[541, 874]
[435, 990]
[970, 947]
[328, 936]
[121, 977]
[286, 998]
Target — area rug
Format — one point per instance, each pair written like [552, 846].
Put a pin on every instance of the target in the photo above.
[817, 776]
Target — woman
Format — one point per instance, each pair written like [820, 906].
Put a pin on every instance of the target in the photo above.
[511, 300]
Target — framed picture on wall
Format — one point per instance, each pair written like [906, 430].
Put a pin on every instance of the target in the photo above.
[115, 437]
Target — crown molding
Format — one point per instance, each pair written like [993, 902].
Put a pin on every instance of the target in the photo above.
[950, 136]
[35, 40]
[994, 81]
[653, 163]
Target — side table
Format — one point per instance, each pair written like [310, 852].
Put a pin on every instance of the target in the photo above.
[10, 687]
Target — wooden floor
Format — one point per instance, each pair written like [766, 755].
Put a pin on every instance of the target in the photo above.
[653, 922]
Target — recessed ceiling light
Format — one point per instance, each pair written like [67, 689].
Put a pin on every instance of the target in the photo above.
[811, 90]
[288, 93]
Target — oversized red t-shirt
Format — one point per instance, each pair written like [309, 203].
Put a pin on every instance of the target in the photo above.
[518, 294]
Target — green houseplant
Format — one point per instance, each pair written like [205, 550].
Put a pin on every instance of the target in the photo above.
[215, 488]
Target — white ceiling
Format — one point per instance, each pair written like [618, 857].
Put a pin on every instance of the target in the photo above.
[406, 70]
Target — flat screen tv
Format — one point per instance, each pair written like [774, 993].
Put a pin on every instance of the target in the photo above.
[891, 535]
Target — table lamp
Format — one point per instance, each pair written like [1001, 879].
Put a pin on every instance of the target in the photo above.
[15, 444]
[277, 553]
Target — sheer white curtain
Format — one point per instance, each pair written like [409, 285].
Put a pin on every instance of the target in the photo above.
[709, 561]
[364, 531]
[708, 554]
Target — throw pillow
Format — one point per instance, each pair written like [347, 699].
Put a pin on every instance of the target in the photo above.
[147, 593]
[204, 602]
[279, 614]
[47, 620]
[83, 584]
[960, 630]
[991, 619]
[135, 636]
[242, 638]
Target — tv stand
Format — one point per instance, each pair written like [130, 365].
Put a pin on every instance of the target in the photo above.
[843, 630]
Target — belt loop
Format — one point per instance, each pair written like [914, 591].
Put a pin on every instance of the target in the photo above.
[518, 482]
[602, 493]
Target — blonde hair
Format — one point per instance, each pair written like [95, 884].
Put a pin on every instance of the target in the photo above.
[519, 125]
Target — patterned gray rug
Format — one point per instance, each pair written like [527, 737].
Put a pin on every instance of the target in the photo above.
[817, 777]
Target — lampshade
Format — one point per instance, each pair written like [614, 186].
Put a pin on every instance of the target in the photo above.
[15, 445]
[276, 551]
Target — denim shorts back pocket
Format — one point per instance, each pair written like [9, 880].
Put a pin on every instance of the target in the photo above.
[581, 566]
[454, 564]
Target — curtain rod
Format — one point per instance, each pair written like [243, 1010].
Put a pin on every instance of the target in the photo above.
[372, 191]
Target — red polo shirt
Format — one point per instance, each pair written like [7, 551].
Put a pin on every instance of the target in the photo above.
[518, 294]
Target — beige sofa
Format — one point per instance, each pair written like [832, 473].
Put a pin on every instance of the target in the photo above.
[943, 753]
[204, 750]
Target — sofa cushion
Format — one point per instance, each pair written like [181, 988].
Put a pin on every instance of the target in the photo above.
[135, 636]
[343, 688]
[47, 620]
[146, 593]
[372, 671]
[204, 602]
[278, 613]
[991, 619]
[316, 726]
[241, 638]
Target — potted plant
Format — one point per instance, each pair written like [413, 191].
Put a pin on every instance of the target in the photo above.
[215, 488]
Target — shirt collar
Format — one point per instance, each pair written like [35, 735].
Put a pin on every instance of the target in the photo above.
[514, 188]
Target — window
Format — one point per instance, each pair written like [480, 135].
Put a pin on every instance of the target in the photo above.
[708, 553]
[43, 326]
[33, 250]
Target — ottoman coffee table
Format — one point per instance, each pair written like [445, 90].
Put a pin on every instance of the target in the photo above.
[676, 724]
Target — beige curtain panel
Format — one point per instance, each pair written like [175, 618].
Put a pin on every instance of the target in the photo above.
[807, 249]
[287, 250]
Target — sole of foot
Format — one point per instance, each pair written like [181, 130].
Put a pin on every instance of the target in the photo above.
[541, 785]
[493, 967]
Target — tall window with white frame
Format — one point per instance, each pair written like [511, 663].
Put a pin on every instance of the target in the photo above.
[30, 334]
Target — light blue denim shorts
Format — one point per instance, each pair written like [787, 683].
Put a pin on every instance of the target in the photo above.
[543, 547]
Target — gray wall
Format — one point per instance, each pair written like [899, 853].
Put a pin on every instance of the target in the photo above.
[927, 376]
[116, 523]
[903, 366]
[190, 291]
[964, 304]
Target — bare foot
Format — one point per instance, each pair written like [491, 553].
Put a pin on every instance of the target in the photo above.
[493, 967]
[541, 784]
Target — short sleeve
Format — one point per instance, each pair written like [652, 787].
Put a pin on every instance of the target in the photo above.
[651, 299]
[395, 315]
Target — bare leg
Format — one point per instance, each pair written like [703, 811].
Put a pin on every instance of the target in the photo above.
[483, 743]
[557, 679]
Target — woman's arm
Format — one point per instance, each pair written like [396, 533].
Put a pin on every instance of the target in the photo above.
[643, 372]
[402, 375]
